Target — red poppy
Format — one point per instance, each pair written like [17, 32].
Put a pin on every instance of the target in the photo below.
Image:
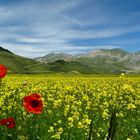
[3, 71]
[9, 122]
[33, 104]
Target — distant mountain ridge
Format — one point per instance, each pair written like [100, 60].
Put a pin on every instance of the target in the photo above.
[101, 61]
[51, 57]
[107, 53]
[107, 59]
[4, 50]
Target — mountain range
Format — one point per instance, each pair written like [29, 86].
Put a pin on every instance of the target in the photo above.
[101, 61]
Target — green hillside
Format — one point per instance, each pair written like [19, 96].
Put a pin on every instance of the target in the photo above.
[18, 64]
[70, 67]
[103, 65]
[102, 61]
[4, 50]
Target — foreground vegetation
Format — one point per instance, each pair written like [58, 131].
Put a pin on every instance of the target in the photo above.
[74, 108]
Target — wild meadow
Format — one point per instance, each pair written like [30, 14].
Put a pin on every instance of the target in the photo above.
[37, 107]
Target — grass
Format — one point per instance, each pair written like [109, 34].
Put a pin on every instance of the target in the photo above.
[18, 64]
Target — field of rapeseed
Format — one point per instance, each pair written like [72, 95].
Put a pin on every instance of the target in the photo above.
[69, 108]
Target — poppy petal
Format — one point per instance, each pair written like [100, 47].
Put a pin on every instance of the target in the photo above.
[33, 104]
[9, 122]
[3, 71]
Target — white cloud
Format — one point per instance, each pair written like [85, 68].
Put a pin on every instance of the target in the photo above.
[33, 28]
[32, 51]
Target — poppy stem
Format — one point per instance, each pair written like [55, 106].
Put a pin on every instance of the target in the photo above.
[0, 82]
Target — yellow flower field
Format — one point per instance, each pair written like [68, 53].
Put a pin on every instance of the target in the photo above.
[74, 108]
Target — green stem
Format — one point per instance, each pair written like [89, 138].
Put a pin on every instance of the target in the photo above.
[0, 82]
[90, 130]
[0, 85]
[112, 129]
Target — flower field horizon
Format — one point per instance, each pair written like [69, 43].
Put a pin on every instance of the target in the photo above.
[70, 108]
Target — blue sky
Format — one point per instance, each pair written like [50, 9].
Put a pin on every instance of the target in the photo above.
[33, 28]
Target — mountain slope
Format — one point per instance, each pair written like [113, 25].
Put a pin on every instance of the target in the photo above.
[71, 67]
[4, 50]
[55, 56]
[102, 60]
[115, 60]
[133, 61]
[18, 64]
